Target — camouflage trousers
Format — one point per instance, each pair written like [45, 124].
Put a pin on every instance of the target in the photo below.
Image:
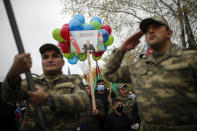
[152, 127]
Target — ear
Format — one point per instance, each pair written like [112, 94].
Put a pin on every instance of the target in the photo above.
[170, 32]
[63, 62]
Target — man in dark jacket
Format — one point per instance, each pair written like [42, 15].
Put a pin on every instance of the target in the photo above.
[7, 116]
[117, 120]
[102, 104]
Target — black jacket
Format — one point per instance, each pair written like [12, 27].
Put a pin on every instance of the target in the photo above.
[117, 123]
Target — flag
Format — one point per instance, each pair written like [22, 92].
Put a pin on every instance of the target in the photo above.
[98, 76]
[69, 71]
[19, 117]
[148, 50]
[114, 88]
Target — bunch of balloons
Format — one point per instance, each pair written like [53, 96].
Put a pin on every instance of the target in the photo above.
[78, 24]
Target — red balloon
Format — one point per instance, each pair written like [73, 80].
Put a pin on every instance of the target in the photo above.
[65, 46]
[65, 25]
[97, 54]
[107, 28]
[65, 32]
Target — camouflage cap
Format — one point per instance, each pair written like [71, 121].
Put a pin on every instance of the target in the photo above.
[146, 22]
[49, 46]
[120, 86]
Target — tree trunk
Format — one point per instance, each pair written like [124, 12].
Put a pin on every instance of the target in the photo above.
[190, 35]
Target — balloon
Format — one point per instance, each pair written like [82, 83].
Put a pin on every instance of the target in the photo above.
[109, 41]
[69, 55]
[97, 54]
[65, 46]
[96, 19]
[65, 25]
[105, 48]
[82, 56]
[80, 18]
[84, 24]
[107, 28]
[75, 25]
[73, 61]
[96, 58]
[105, 35]
[96, 25]
[88, 27]
[56, 35]
[65, 33]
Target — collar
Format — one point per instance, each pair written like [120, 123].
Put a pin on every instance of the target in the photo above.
[50, 78]
[173, 51]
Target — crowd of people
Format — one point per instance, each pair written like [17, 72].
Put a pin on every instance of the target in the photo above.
[164, 82]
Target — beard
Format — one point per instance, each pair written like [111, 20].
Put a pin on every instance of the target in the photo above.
[156, 43]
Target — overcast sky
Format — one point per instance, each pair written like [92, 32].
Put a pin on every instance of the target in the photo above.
[36, 21]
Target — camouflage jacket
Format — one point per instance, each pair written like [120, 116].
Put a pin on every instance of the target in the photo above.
[165, 86]
[68, 98]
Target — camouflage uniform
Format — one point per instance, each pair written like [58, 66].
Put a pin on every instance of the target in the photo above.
[128, 106]
[68, 100]
[165, 86]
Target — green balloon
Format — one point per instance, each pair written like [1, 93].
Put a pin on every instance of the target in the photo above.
[96, 58]
[69, 55]
[96, 25]
[109, 41]
[84, 24]
[82, 56]
[56, 35]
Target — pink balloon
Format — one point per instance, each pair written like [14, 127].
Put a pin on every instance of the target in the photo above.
[107, 28]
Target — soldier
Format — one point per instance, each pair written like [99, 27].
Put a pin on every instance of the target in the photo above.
[59, 95]
[164, 82]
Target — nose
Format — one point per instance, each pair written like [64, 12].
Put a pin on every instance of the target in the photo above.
[50, 59]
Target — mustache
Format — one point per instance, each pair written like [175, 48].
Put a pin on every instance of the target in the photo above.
[50, 64]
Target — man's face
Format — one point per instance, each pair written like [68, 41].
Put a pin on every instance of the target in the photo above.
[123, 92]
[101, 83]
[87, 89]
[118, 104]
[100, 91]
[52, 62]
[157, 34]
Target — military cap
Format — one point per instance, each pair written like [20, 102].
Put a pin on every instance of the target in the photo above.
[146, 22]
[120, 86]
[49, 46]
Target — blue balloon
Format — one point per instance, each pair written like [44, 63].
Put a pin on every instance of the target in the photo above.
[105, 47]
[74, 60]
[75, 25]
[97, 19]
[88, 27]
[105, 35]
[80, 18]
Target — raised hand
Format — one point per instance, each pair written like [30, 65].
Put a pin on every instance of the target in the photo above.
[22, 63]
[131, 42]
